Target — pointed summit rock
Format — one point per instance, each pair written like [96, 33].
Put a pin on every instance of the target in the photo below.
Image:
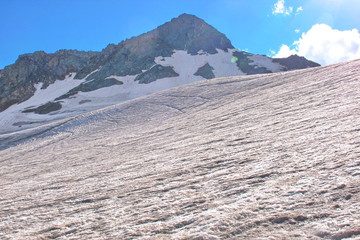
[190, 33]
[186, 32]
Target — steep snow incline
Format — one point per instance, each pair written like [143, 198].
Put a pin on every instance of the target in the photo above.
[272, 156]
[185, 64]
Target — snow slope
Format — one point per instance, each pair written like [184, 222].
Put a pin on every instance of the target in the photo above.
[12, 118]
[185, 64]
[272, 156]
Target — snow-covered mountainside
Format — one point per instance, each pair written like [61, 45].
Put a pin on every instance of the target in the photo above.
[272, 156]
[40, 88]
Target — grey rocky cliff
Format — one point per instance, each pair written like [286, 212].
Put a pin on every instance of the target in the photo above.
[17, 80]
[156, 72]
[295, 62]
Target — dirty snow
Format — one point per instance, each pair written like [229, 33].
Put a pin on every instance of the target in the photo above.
[272, 156]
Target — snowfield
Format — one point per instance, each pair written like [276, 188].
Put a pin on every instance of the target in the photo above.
[272, 156]
[13, 119]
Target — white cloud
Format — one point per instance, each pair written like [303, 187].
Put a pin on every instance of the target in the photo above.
[279, 8]
[285, 51]
[299, 9]
[297, 31]
[272, 53]
[325, 45]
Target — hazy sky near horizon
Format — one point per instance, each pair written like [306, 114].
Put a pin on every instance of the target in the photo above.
[326, 31]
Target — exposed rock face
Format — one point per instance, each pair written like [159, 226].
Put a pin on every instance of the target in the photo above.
[133, 57]
[295, 62]
[244, 63]
[190, 33]
[205, 71]
[91, 86]
[156, 72]
[17, 80]
[46, 108]
[259, 157]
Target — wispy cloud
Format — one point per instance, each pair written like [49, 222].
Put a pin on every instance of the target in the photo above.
[325, 45]
[281, 9]
[299, 9]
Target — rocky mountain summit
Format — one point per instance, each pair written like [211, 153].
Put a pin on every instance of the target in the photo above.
[181, 51]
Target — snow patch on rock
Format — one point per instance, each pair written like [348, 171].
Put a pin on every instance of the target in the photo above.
[263, 61]
[14, 113]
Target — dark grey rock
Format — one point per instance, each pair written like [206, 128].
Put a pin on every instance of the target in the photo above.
[295, 62]
[91, 86]
[243, 64]
[156, 72]
[205, 71]
[45, 109]
[187, 32]
[84, 101]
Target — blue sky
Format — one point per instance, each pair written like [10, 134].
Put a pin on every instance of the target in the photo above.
[268, 27]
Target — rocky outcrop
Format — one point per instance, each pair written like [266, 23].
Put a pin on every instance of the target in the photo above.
[45, 109]
[295, 62]
[17, 80]
[205, 71]
[91, 86]
[244, 63]
[156, 72]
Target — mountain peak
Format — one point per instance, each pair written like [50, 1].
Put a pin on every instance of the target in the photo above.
[188, 19]
[188, 32]
[136, 58]
[188, 16]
